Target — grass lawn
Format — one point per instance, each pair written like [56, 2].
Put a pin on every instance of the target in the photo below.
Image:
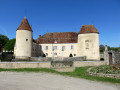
[79, 72]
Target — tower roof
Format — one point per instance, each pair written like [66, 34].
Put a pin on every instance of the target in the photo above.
[88, 29]
[24, 25]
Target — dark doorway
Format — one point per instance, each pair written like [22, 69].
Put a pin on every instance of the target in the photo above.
[110, 59]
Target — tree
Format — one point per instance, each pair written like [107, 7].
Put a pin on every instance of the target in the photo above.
[70, 55]
[102, 48]
[10, 45]
[3, 40]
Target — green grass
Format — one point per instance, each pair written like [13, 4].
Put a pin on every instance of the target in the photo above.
[79, 73]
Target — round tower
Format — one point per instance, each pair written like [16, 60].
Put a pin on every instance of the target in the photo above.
[88, 42]
[24, 39]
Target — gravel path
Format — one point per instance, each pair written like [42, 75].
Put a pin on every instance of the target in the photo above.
[45, 81]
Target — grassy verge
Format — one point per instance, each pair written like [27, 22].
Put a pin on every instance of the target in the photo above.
[79, 72]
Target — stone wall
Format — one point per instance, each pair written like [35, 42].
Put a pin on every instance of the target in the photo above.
[75, 58]
[116, 57]
[48, 64]
[41, 59]
[25, 64]
[88, 63]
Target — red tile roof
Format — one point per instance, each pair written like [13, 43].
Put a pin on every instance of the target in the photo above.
[24, 25]
[58, 37]
[88, 29]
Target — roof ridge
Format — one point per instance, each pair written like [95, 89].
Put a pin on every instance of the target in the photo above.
[59, 32]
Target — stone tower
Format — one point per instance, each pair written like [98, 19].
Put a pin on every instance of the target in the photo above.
[24, 39]
[88, 42]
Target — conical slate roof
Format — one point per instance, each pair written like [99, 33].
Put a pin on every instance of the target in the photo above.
[88, 29]
[24, 25]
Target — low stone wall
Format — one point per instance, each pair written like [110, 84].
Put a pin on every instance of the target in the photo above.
[102, 74]
[74, 58]
[48, 64]
[88, 63]
[25, 64]
[41, 59]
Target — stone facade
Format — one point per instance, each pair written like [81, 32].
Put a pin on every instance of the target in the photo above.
[60, 44]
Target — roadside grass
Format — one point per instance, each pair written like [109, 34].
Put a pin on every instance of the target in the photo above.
[79, 72]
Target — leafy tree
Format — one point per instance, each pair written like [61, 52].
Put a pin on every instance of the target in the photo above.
[102, 48]
[70, 55]
[10, 45]
[3, 41]
[115, 49]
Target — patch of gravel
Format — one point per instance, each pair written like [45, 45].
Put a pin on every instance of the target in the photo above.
[48, 81]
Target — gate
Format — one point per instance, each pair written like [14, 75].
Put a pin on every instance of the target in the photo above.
[110, 59]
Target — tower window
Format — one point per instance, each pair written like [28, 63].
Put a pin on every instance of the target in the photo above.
[87, 44]
[26, 39]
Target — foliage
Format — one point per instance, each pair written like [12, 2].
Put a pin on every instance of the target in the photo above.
[79, 72]
[105, 69]
[10, 45]
[115, 48]
[70, 55]
[3, 40]
[102, 48]
[43, 55]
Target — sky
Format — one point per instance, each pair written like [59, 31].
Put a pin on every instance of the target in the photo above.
[62, 16]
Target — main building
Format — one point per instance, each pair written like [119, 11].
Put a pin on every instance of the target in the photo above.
[57, 44]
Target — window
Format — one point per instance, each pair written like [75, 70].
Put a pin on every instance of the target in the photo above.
[72, 47]
[55, 53]
[46, 54]
[40, 47]
[46, 48]
[55, 47]
[40, 54]
[26, 39]
[74, 54]
[63, 48]
[87, 44]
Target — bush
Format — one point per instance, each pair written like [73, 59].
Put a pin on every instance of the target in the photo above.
[43, 55]
[70, 55]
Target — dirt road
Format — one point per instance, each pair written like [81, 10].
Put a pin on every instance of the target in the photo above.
[45, 81]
